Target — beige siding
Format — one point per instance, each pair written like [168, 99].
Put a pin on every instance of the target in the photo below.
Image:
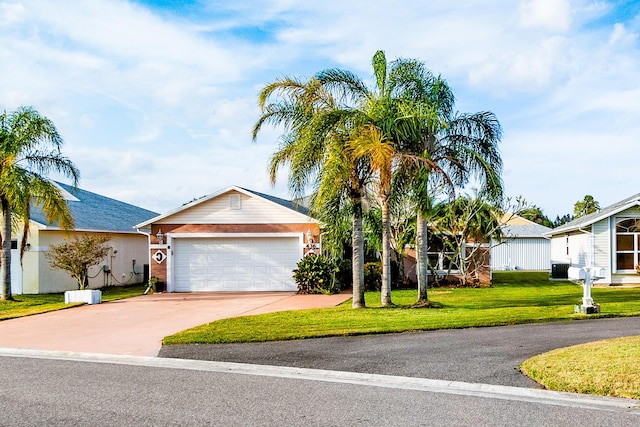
[253, 210]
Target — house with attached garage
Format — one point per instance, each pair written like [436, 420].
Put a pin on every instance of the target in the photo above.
[92, 213]
[608, 238]
[232, 240]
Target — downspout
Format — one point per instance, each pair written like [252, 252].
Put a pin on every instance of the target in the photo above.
[148, 249]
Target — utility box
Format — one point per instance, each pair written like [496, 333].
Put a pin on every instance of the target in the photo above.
[559, 271]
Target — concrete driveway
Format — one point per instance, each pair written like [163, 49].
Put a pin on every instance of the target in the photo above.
[136, 326]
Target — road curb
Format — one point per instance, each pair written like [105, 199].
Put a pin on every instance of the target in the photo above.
[491, 391]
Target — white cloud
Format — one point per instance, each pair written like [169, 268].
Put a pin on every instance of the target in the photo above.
[554, 15]
[157, 107]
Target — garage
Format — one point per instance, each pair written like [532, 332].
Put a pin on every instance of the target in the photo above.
[232, 240]
[235, 264]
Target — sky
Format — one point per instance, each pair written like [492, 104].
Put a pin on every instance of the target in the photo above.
[156, 100]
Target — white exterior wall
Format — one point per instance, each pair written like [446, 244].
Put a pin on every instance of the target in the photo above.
[253, 210]
[39, 277]
[574, 249]
[522, 253]
[602, 257]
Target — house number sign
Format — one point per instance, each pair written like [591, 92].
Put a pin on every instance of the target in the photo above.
[159, 257]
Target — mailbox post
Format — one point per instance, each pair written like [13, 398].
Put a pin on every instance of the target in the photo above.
[586, 276]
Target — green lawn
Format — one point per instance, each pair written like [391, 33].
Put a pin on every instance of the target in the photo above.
[26, 305]
[606, 368]
[517, 297]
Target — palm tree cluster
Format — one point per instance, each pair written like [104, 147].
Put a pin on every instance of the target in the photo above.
[399, 141]
[30, 149]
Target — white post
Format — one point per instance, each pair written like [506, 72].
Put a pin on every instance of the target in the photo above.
[587, 301]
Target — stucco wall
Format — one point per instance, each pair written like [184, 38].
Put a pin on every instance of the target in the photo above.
[39, 277]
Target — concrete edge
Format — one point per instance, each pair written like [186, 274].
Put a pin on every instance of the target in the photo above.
[544, 397]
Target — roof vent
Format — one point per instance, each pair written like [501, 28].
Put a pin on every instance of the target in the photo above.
[235, 201]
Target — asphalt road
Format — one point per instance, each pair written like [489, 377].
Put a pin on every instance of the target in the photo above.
[54, 392]
[479, 355]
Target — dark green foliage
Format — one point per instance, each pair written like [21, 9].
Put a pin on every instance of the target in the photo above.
[316, 275]
[585, 206]
[372, 276]
[560, 220]
[345, 273]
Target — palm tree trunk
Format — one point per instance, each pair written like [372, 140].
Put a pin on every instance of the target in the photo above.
[5, 286]
[385, 290]
[357, 241]
[422, 247]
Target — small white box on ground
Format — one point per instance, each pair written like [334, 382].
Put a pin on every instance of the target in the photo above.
[89, 296]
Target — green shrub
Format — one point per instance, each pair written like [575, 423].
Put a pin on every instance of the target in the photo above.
[345, 273]
[372, 276]
[316, 275]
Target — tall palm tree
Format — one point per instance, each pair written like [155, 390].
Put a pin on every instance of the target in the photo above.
[316, 129]
[464, 148]
[392, 116]
[455, 148]
[336, 108]
[30, 149]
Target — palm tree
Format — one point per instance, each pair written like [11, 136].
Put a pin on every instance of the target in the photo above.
[29, 150]
[316, 129]
[324, 119]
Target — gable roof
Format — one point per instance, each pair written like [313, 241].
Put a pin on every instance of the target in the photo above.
[522, 231]
[282, 203]
[587, 220]
[93, 212]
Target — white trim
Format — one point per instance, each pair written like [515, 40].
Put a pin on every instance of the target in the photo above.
[232, 235]
[591, 221]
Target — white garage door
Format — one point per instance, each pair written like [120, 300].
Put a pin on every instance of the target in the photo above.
[235, 264]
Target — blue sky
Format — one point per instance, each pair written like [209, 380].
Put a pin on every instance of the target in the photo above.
[156, 99]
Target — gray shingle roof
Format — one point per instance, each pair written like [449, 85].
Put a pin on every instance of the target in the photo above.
[597, 216]
[98, 213]
[286, 203]
[533, 230]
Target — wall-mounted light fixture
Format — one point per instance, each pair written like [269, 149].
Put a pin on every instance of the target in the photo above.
[160, 237]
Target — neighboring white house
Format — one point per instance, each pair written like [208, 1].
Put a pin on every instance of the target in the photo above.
[524, 247]
[232, 240]
[609, 239]
[92, 213]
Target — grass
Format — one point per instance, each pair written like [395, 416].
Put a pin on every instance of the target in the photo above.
[26, 305]
[517, 297]
[605, 368]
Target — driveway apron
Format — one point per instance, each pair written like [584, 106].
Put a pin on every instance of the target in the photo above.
[136, 326]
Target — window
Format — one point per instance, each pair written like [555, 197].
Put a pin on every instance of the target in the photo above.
[627, 243]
